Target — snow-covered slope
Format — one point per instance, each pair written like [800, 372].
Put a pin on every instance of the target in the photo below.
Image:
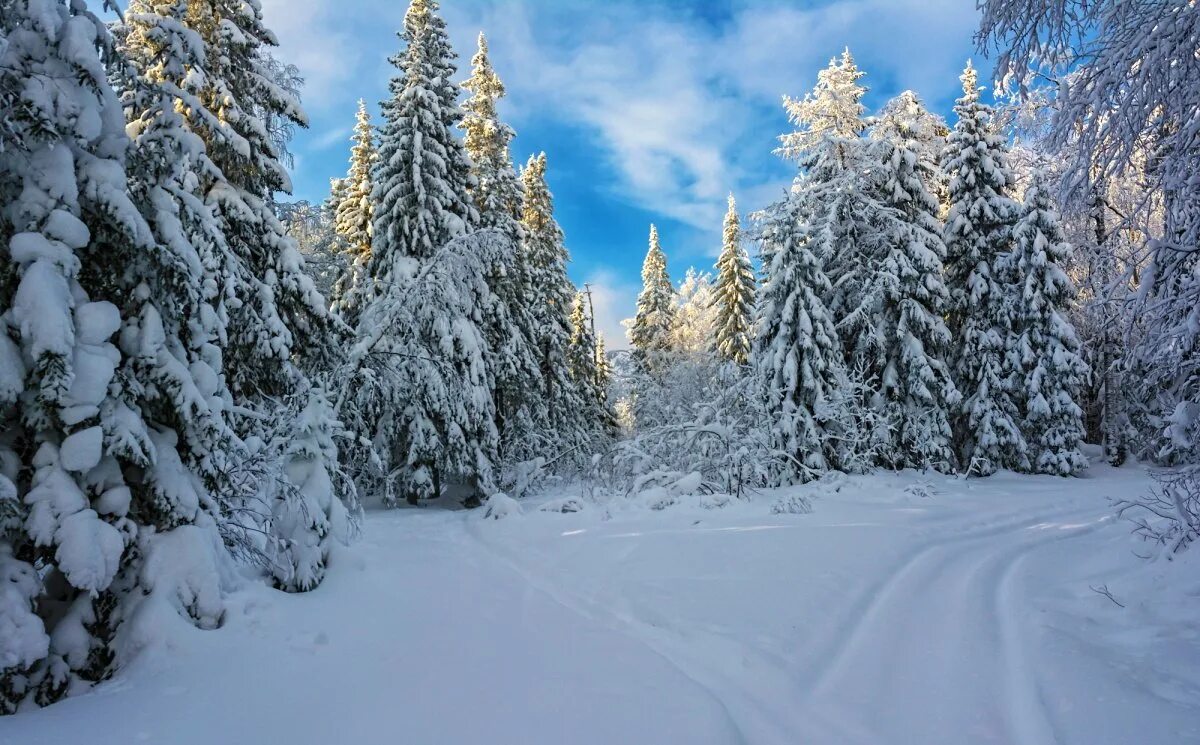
[905, 609]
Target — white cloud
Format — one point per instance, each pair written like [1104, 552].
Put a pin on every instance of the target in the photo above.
[311, 38]
[687, 110]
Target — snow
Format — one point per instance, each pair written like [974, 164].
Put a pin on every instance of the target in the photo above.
[905, 608]
[81, 450]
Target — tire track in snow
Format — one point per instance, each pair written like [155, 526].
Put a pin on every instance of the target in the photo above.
[767, 700]
[928, 632]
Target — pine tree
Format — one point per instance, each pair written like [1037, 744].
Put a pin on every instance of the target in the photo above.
[278, 323]
[832, 112]
[425, 399]
[552, 295]
[797, 353]
[978, 232]
[511, 327]
[1051, 370]
[917, 396]
[422, 183]
[906, 118]
[735, 293]
[112, 404]
[307, 521]
[833, 195]
[655, 317]
[353, 214]
[584, 364]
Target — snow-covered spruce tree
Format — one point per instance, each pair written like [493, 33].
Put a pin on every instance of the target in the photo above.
[511, 326]
[916, 393]
[1050, 370]
[923, 132]
[650, 335]
[1123, 59]
[978, 231]
[584, 364]
[278, 322]
[353, 213]
[112, 407]
[210, 58]
[797, 354]
[561, 403]
[832, 110]
[734, 293]
[832, 193]
[419, 390]
[311, 516]
[847, 230]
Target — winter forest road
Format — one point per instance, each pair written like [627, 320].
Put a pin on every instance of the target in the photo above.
[904, 609]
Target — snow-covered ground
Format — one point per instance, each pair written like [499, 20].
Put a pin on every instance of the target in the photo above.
[906, 608]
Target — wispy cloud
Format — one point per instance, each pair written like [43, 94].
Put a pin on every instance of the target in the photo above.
[687, 109]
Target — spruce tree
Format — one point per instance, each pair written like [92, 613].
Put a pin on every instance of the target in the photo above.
[917, 396]
[735, 293]
[422, 183]
[353, 214]
[797, 354]
[112, 404]
[552, 294]
[1051, 372]
[906, 118]
[425, 400]
[978, 231]
[510, 325]
[847, 230]
[584, 364]
[655, 317]
[278, 323]
[834, 196]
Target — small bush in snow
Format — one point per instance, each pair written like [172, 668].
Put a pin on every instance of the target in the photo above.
[499, 506]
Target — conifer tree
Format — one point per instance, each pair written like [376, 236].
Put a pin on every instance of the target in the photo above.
[551, 297]
[422, 183]
[353, 214]
[652, 324]
[978, 231]
[584, 365]
[112, 403]
[1051, 371]
[905, 117]
[735, 293]
[511, 326]
[833, 195]
[917, 396]
[425, 400]
[278, 318]
[797, 355]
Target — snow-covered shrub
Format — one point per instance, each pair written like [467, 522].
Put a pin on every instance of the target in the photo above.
[792, 504]
[316, 503]
[499, 506]
[702, 432]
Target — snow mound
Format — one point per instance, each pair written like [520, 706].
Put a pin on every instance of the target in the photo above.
[500, 506]
[564, 505]
[792, 504]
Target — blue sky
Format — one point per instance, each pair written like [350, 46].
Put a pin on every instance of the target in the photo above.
[648, 110]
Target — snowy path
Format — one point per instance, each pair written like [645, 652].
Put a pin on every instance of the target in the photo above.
[884, 617]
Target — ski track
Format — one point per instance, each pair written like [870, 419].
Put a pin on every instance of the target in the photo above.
[946, 598]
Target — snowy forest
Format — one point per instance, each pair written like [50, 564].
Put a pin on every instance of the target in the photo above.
[210, 392]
